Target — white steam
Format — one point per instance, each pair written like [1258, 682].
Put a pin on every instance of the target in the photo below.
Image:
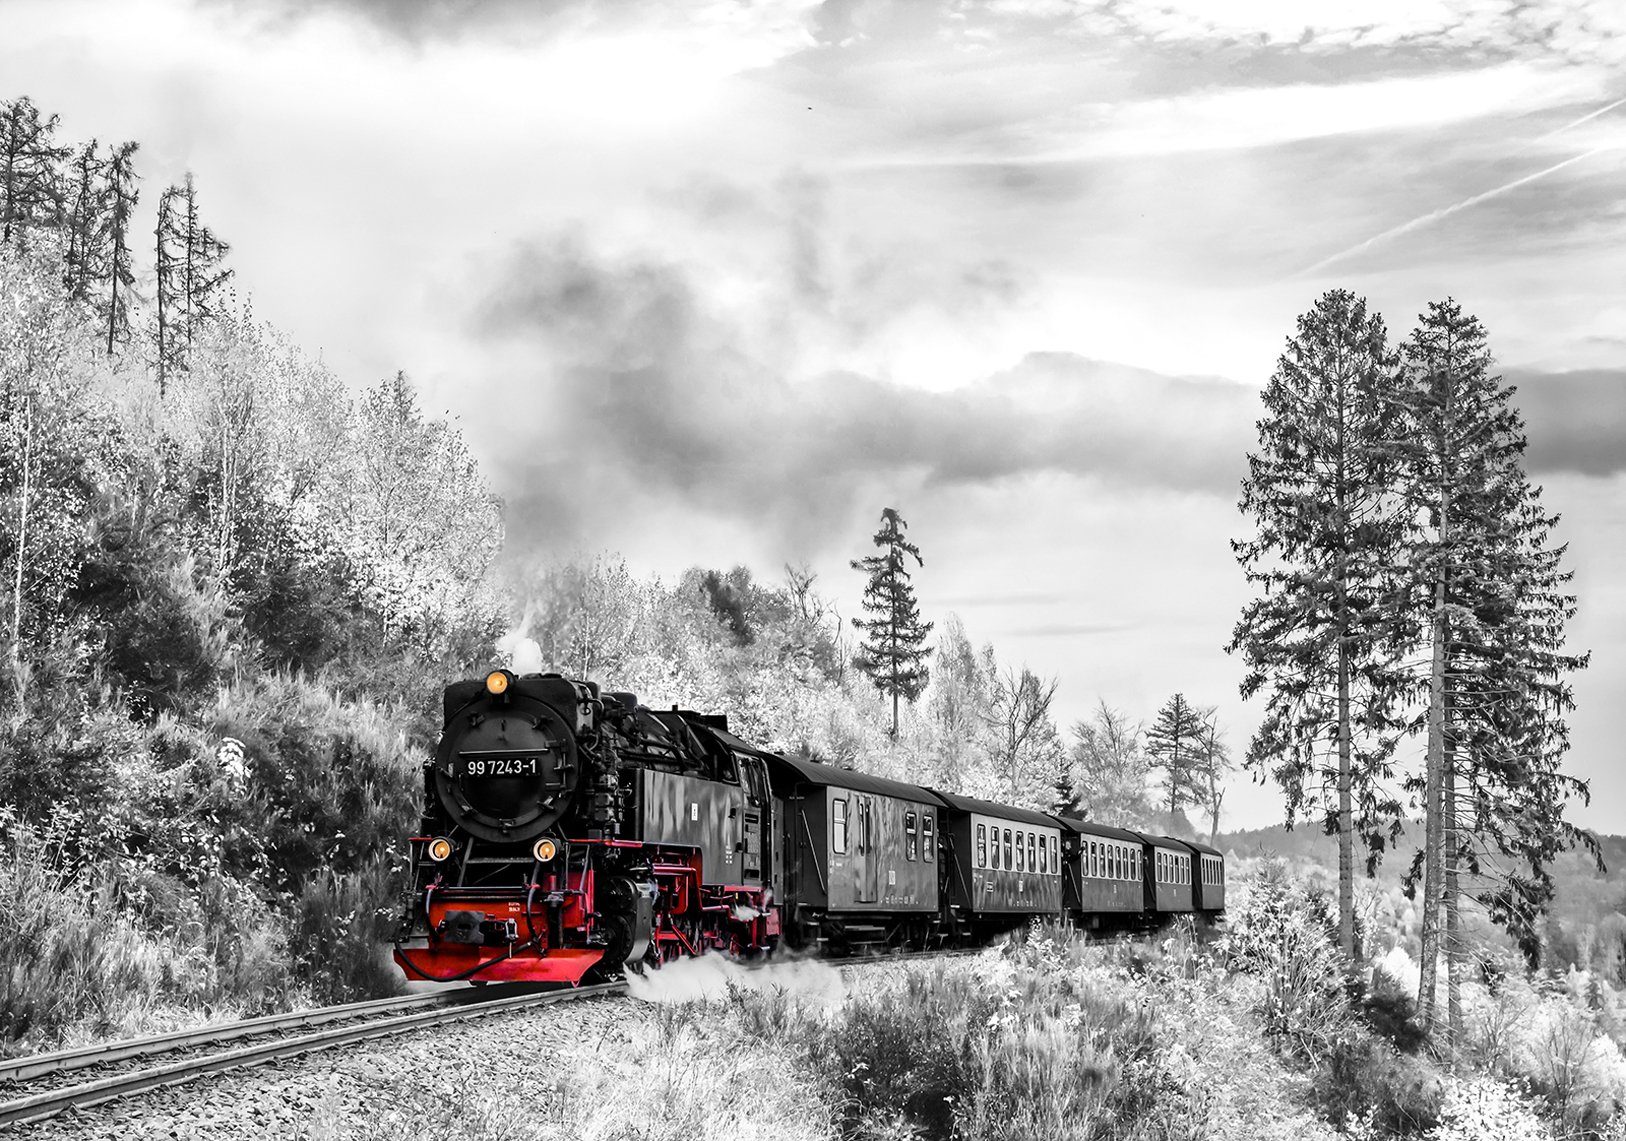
[520, 651]
[710, 976]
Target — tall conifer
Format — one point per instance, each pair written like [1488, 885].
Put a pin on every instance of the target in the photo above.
[189, 277]
[87, 220]
[1329, 533]
[1492, 596]
[1175, 744]
[893, 652]
[121, 196]
[30, 190]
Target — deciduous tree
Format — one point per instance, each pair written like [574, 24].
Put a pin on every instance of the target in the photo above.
[1109, 769]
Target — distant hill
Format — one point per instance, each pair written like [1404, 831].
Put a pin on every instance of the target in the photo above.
[1586, 924]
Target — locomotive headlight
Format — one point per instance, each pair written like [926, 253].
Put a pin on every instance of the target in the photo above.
[440, 849]
[544, 850]
[497, 682]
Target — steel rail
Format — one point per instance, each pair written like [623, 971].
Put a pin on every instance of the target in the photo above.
[51, 1102]
[37, 1065]
[444, 1008]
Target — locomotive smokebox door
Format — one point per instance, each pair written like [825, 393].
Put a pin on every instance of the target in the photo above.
[507, 766]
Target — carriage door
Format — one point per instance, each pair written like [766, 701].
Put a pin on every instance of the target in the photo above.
[869, 868]
[754, 843]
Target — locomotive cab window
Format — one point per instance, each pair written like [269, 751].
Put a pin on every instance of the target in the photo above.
[910, 836]
[838, 824]
[928, 836]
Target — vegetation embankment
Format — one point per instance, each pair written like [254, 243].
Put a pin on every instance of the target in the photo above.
[1253, 1034]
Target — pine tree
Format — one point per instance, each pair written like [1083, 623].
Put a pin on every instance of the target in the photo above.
[30, 193]
[893, 652]
[1492, 593]
[86, 260]
[1174, 743]
[189, 278]
[1329, 534]
[121, 197]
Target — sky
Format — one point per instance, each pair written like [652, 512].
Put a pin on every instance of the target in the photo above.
[712, 284]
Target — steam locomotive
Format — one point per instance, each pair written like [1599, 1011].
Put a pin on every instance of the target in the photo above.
[568, 832]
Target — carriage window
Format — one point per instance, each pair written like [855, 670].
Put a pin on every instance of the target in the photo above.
[982, 845]
[838, 824]
[909, 837]
[1090, 869]
[995, 839]
[1044, 856]
[1118, 864]
[928, 837]
[1008, 863]
[1032, 843]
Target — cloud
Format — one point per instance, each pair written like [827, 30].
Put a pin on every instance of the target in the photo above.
[1575, 421]
[627, 389]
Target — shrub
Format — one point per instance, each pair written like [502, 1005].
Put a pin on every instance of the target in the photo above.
[68, 958]
[1364, 1079]
[1282, 933]
[340, 930]
[1483, 1109]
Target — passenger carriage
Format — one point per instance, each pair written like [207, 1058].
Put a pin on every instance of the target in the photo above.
[1004, 864]
[1168, 883]
[1207, 876]
[861, 855]
[1103, 881]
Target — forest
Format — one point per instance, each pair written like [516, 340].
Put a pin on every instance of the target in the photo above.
[234, 584]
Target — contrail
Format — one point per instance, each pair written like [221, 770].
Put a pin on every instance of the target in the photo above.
[1447, 211]
[1587, 118]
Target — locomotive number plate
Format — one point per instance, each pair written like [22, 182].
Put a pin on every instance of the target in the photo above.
[501, 766]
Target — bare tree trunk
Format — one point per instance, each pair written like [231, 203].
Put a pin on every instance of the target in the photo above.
[1454, 958]
[1346, 824]
[22, 538]
[1431, 810]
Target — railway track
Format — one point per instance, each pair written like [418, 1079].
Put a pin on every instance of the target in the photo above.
[43, 1085]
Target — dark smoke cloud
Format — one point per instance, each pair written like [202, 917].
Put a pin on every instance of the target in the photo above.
[1575, 421]
[632, 390]
[631, 393]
